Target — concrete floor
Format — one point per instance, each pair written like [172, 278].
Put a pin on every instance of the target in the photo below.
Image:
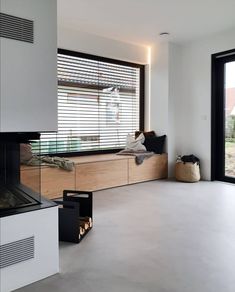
[153, 237]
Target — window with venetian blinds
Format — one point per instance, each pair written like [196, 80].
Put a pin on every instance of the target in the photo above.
[99, 102]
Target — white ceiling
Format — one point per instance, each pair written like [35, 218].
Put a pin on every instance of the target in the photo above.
[141, 21]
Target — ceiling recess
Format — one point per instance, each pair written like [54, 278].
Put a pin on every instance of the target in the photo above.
[164, 34]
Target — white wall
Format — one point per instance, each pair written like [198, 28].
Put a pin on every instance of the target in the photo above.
[175, 57]
[159, 89]
[180, 96]
[193, 98]
[164, 89]
[100, 46]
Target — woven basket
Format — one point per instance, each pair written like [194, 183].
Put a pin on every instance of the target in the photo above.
[187, 172]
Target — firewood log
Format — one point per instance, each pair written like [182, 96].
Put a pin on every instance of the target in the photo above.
[82, 230]
[88, 220]
[84, 224]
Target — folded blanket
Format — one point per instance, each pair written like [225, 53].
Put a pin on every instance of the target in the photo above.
[58, 162]
[139, 155]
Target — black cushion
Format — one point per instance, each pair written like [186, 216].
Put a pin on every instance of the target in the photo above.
[155, 144]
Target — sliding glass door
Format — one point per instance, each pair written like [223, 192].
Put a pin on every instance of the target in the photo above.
[223, 116]
[229, 95]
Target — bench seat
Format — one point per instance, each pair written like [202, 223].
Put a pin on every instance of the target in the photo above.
[96, 172]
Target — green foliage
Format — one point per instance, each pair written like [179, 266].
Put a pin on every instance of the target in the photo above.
[230, 127]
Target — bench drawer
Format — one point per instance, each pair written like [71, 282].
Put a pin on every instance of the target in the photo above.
[152, 168]
[101, 175]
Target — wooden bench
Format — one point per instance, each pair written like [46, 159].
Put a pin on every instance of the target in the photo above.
[95, 172]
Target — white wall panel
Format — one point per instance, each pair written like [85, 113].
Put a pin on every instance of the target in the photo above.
[28, 71]
[43, 225]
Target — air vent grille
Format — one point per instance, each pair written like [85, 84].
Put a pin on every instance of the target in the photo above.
[16, 252]
[16, 28]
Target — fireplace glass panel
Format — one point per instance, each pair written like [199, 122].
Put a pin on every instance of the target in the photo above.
[30, 171]
[19, 182]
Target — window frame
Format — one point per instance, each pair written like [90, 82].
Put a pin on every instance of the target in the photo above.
[141, 96]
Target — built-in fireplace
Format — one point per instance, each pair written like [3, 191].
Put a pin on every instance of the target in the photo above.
[15, 194]
[28, 221]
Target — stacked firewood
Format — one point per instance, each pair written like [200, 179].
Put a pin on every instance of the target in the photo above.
[85, 224]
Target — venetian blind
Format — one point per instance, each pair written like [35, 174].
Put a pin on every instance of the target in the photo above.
[98, 105]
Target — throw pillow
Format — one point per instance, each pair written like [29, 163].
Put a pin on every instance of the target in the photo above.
[135, 144]
[25, 153]
[146, 134]
[155, 144]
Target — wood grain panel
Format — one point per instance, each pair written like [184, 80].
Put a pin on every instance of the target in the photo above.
[96, 158]
[55, 180]
[101, 175]
[31, 178]
[152, 168]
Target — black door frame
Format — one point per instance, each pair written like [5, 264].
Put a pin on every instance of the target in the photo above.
[217, 115]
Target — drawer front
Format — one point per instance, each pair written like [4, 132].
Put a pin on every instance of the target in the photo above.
[152, 168]
[101, 175]
[55, 180]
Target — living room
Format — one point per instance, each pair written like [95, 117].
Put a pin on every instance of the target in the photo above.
[120, 67]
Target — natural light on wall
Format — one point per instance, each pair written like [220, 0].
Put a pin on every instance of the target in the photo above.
[148, 91]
